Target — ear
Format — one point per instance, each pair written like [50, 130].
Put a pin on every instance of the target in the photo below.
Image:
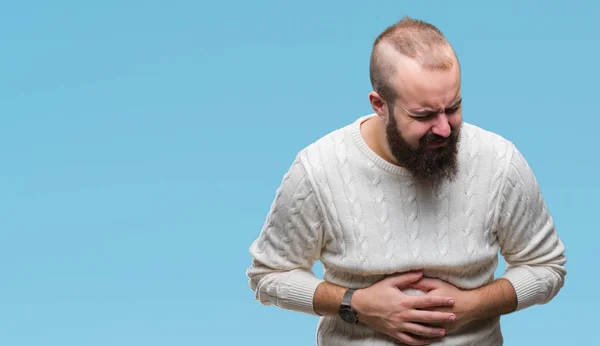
[378, 104]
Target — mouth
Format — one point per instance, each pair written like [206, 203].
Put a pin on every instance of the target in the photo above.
[438, 144]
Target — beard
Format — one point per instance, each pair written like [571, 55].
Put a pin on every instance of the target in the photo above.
[427, 165]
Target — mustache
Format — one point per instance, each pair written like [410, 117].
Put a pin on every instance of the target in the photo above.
[433, 138]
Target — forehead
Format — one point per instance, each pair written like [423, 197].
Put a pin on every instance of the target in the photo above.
[427, 88]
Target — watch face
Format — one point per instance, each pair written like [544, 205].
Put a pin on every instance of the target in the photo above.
[348, 315]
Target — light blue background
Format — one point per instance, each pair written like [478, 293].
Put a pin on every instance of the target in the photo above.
[142, 142]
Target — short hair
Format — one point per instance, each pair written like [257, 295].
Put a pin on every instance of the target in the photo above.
[412, 38]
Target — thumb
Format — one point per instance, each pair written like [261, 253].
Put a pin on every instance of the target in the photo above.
[404, 279]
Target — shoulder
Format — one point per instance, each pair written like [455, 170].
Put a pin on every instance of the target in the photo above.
[332, 146]
[488, 146]
[497, 157]
[473, 135]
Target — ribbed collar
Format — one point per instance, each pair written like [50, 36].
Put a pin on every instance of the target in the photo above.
[369, 153]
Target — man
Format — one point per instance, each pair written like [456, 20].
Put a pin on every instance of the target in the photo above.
[407, 209]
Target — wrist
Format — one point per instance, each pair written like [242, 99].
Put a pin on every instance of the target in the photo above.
[358, 301]
[347, 311]
[327, 299]
[492, 300]
[473, 306]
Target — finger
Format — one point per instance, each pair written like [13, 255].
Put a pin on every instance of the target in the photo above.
[431, 316]
[408, 339]
[404, 279]
[424, 301]
[426, 284]
[428, 332]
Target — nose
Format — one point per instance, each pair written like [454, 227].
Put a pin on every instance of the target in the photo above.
[441, 127]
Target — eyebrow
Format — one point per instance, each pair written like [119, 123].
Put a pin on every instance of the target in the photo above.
[427, 111]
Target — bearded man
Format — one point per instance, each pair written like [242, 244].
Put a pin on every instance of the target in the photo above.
[407, 209]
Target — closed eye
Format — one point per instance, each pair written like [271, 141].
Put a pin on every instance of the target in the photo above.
[453, 109]
[428, 115]
[425, 115]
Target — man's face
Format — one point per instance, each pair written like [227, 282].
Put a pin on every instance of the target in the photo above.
[423, 126]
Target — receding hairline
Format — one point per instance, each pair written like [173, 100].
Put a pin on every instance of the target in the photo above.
[438, 57]
[409, 38]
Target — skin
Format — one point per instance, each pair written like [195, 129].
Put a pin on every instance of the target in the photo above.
[496, 299]
[417, 320]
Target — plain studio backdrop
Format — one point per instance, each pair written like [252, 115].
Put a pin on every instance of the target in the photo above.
[142, 142]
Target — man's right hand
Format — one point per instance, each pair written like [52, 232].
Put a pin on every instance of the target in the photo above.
[389, 311]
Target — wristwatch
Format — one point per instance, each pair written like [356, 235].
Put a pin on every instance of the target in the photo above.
[346, 312]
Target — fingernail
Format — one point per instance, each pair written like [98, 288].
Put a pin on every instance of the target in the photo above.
[452, 318]
[451, 301]
[442, 332]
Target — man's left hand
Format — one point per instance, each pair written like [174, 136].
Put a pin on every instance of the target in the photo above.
[465, 301]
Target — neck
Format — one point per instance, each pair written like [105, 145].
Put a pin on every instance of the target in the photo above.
[373, 132]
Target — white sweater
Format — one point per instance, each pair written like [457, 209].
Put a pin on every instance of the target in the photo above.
[365, 218]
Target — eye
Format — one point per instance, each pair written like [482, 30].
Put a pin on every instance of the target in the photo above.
[425, 116]
[453, 109]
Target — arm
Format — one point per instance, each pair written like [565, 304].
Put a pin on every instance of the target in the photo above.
[289, 244]
[496, 299]
[528, 240]
[328, 298]
[529, 243]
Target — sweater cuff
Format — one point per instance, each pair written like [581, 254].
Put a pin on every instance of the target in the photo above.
[525, 284]
[300, 292]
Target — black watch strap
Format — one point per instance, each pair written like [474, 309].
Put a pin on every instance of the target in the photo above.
[347, 313]
[348, 297]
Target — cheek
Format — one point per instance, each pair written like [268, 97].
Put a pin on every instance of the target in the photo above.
[414, 131]
[455, 121]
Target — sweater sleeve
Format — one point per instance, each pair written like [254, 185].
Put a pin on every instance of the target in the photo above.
[533, 251]
[288, 246]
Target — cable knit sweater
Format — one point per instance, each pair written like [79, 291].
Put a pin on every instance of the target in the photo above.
[365, 218]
